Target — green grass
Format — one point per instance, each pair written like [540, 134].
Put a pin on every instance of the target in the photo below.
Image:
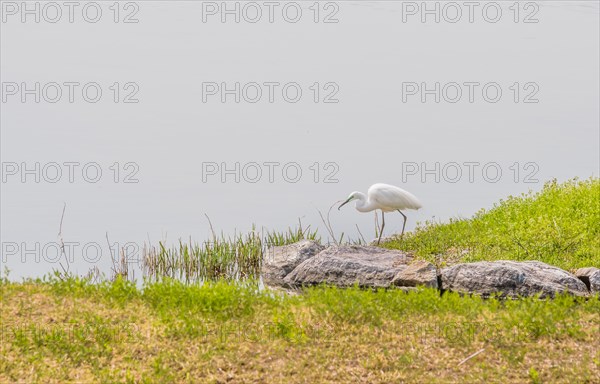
[560, 225]
[73, 331]
[230, 258]
[174, 328]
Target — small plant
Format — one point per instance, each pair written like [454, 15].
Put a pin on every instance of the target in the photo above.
[292, 235]
[534, 376]
[5, 274]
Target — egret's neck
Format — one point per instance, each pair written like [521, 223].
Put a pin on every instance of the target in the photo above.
[363, 204]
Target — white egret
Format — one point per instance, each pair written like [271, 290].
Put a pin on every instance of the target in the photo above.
[385, 197]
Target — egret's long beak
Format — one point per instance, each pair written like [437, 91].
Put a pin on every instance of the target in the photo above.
[344, 203]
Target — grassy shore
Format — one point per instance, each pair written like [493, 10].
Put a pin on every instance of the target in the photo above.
[560, 225]
[67, 329]
[72, 331]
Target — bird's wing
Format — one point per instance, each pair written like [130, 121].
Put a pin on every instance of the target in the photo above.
[393, 197]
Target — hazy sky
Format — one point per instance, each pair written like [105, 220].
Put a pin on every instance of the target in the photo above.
[331, 98]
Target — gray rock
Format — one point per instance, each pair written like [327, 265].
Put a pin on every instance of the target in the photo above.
[344, 266]
[281, 260]
[511, 278]
[590, 277]
[420, 272]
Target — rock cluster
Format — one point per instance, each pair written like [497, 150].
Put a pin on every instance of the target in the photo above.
[308, 263]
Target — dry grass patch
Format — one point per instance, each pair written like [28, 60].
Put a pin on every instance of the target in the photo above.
[221, 333]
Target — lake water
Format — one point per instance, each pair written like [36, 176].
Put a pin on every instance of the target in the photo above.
[138, 126]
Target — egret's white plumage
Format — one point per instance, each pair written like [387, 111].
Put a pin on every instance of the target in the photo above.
[385, 197]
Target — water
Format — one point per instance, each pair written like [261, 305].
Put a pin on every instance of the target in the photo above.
[370, 135]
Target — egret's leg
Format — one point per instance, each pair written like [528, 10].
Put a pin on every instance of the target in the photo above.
[382, 225]
[403, 225]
